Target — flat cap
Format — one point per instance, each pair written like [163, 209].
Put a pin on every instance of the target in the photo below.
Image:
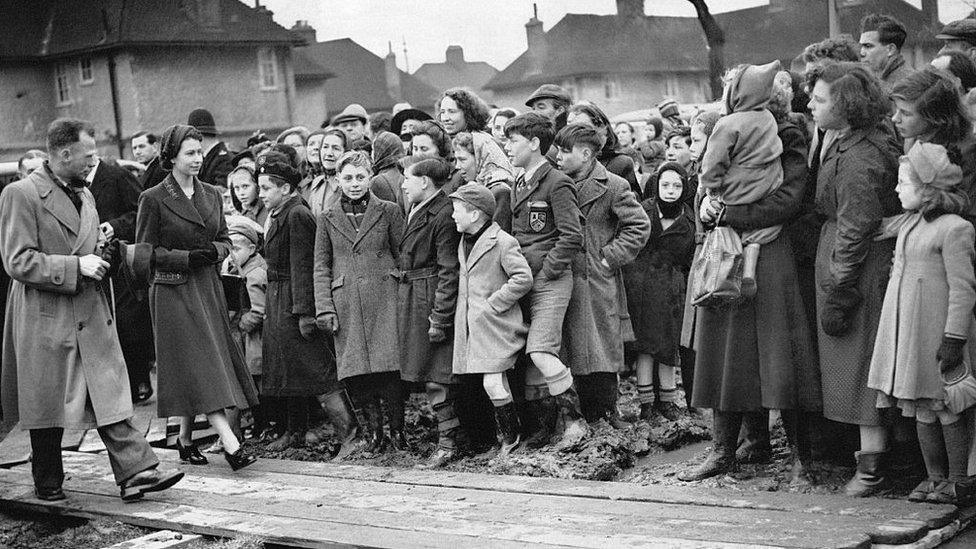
[238, 224]
[476, 195]
[354, 111]
[963, 29]
[549, 91]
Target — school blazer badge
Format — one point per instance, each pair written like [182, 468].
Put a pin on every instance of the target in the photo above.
[538, 216]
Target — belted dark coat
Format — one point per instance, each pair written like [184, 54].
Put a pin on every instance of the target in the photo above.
[293, 366]
[427, 294]
[199, 367]
[353, 279]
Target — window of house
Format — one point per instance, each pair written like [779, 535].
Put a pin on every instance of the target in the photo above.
[671, 86]
[85, 67]
[61, 83]
[268, 68]
[611, 88]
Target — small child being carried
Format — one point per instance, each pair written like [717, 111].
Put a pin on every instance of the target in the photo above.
[742, 162]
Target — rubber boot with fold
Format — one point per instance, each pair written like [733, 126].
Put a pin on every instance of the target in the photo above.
[507, 420]
[373, 413]
[956, 489]
[721, 460]
[543, 412]
[338, 408]
[448, 429]
[869, 476]
[936, 461]
[570, 417]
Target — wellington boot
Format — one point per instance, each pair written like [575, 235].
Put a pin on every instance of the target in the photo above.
[869, 477]
[721, 460]
[507, 420]
[754, 446]
[570, 417]
[668, 410]
[647, 411]
[375, 439]
[545, 412]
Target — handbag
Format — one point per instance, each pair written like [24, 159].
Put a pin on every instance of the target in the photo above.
[716, 273]
[960, 389]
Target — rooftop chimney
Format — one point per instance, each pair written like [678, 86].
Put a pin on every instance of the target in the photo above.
[630, 8]
[264, 12]
[931, 8]
[536, 38]
[306, 31]
[393, 76]
[455, 56]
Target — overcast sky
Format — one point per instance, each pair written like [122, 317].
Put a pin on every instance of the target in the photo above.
[488, 30]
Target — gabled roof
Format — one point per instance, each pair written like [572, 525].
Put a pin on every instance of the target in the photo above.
[584, 44]
[306, 68]
[360, 77]
[442, 76]
[53, 28]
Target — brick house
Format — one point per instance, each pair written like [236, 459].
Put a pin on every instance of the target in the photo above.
[130, 65]
[630, 61]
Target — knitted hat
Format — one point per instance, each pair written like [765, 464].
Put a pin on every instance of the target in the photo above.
[549, 91]
[668, 108]
[203, 121]
[354, 111]
[478, 196]
[931, 164]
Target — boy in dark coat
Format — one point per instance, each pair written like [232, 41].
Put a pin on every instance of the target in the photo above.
[616, 229]
[546, 223]
[428, 273]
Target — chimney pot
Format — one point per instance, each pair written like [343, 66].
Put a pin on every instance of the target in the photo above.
[538, 49]
[306, 31]
[455, 56]
[630, 8]
[393, 87]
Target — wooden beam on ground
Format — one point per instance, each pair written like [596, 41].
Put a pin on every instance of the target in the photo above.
[166, 539]
[517, 516]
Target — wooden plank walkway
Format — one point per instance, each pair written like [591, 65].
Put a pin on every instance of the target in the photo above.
[325, 505]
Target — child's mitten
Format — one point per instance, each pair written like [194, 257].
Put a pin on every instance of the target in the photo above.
[950, 353]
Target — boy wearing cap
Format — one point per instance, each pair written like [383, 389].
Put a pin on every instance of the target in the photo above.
[553, 102]
[246, 323]
[352, 121]
[615, 231]
[489, 331]
[546, 223]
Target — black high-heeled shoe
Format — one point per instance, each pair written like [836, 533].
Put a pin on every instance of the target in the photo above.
[239, 459]
[190, 454]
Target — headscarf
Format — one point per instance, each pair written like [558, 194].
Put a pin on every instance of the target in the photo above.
[932, 166]
[170, 142]
[387, 150]
[493, 164]
[671, 210]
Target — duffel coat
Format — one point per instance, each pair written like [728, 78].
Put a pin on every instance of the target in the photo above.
[60, 348]
[615, 229]
[489, 330]
[293, 366]
[200, 368]
[353, 279]
[931, 294]
[428, 275]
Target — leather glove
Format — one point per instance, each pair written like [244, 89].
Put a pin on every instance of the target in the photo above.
[112, 254]
[436, 335]
[950, 353]
[306, 325]
[202, 258]
[327, 322]
[250, 322]
[838, 310]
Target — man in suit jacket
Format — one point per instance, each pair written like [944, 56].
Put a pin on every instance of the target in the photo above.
[116, 193]
[62, 365]
[145, 149]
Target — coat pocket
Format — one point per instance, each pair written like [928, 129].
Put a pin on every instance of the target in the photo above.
[47, 304]
[338, 281]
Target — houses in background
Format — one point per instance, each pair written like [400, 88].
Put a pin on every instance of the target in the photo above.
[630, 61]
[129, 65]
[456, 72]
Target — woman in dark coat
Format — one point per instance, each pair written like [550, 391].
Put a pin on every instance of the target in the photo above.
[428, 273]
[759, 354]
[200, 369]
[387, 152]
[855, 190]
[612, 156]
[655, 284]
[298, 360]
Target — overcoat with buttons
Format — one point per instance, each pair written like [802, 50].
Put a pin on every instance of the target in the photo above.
[60, 348]
[428, 274]
[615, 230]
[353, 279]
[199, 367]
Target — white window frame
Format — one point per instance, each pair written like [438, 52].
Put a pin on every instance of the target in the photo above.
[62, 86]
[90, 79]
[268, 77]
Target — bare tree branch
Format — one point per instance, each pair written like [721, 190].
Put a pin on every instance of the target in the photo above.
[715, 38]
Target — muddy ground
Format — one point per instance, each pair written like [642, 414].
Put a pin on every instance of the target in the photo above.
[646, 453]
